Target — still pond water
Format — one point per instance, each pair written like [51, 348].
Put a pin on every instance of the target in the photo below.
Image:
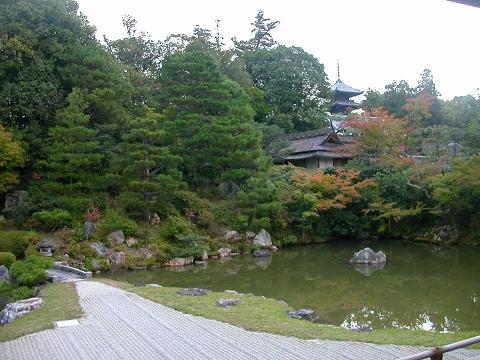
[421, 286]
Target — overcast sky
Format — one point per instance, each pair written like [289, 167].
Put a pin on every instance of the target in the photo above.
[376, 41]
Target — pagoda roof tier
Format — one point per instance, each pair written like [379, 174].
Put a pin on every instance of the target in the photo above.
[341, 106]
[339, 86]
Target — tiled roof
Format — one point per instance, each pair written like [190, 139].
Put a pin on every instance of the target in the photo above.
[342, 87]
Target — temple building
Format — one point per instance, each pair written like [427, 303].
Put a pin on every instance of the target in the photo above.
[317, 149]
[342, 93]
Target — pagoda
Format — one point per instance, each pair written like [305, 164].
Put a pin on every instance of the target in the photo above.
[341, 96]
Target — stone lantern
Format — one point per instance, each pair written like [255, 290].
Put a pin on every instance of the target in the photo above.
[45, 247]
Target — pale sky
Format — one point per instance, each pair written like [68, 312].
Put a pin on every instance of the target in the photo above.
[376, 41]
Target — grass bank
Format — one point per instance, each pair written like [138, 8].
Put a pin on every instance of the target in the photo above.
[60, 303]
[267, 315]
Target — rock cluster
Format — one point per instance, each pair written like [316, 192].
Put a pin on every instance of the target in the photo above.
[179, 262]
[192, 292]
[99, 249]
[18, 309]
[303, 314]
[368, 257]
[229, 302]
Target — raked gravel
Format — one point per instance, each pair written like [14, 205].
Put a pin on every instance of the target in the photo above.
[121, 325]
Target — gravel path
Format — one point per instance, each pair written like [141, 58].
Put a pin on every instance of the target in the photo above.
[122, 325]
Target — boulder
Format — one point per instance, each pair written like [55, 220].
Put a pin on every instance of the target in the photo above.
[224, 252]
[3, 221]
[88, 229]
[4, 274]
[154, 285]
[263, 239]
[146, 252]
[303, 314]
[18, 309]
[14, 200]
[229, 302]
[99, 249]
[179, 261]
[96, 266]
[249, 236]
[155, 220]
[116, 237]
[131, 241]
[193, 292]
[232, 236]
[116, 259]
[205, 255]
[274, 248]
[262, 253]
[367, 256]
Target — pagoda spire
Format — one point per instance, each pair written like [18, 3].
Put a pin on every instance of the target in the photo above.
[338, 69]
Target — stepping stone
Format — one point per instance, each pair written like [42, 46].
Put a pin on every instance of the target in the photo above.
[66, 323]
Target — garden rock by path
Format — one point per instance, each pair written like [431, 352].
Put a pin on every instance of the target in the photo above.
[122, 325]
[303, 314]
[18, 309]
[229, 302]
[192, 292]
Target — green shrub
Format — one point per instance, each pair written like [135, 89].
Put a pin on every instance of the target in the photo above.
[176, 226]
[31, 271]
[53, 219]
[16, 241]
[31, 250]
[10, 293]
[7, 259]
[113, 221]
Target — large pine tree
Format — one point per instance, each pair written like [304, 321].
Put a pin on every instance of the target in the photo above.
[209, 120]
[146, 166]
[73, 165]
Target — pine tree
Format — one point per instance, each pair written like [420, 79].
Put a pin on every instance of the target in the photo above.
[73, 166]
[146, 166]
[209, 120]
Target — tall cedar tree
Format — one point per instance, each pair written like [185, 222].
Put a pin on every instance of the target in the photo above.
[73, 165]
[209, 120]
[148, 167]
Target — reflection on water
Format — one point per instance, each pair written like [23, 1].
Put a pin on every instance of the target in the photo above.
[420, 287]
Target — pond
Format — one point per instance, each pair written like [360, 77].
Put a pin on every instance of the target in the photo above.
[421, 287]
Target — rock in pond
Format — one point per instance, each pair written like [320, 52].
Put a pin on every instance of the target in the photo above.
[4, 274]
[99, 249]
[368, 257]
[18, 309]
[116, 237]
[229, 302]
[303, 314]
[179, 262]
[263, 239]
[193, 292]
[224, 252]
[262, 253]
